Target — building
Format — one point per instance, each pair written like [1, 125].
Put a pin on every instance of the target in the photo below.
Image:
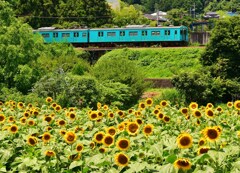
[211, 15]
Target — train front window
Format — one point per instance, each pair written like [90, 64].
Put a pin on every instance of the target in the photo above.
[65, 34]
[76, 34]
[45, 35]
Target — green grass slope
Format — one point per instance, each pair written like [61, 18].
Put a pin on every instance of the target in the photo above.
[161, 62]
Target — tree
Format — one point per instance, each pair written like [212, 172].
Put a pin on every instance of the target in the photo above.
[218, 80]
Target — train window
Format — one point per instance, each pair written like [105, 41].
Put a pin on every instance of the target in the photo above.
[65, 34]
[111, 34]
[133, 33]
[185, 32]
[155, 33]
[55, 34]
[144, 33]
[76, 34]
[122, 33]
[181, 32]
[84, 34]
[175, 32]
[100, 34]
[167, 32]
[45, 35]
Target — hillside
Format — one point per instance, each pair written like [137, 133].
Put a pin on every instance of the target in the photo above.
[161, 62]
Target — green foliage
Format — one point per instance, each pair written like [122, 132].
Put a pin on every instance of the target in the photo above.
[161, 63]
[123, 70]
[179, 17]
[68, 90]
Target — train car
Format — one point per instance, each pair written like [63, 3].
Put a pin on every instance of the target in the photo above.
[137, 35]
[140, 34]
[51, 35]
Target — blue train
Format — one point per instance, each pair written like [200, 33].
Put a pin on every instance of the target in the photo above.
[137, 35]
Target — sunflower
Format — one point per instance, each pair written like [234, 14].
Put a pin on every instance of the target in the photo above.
[102, 150]
[35, 112]
[139, 121]
[148, 129]
[92, 145]
[46, 137]
[61, 122]
[121, 127]
[13, 128]
[149, 102]
[79, 147]
[110, 114]
[20, 105]
[211, 133]
[72, 115]
[2, 118]
[197, 113]
[111, 131]
[130, 111]
[237, 104]
[209, 113]
[132, 128]
[62, 132]
[219, 109]
[229, 104]
[156, 111]
[58, 108]
[31, 122]
[105, 107]
[209, 105]
[23, 120]
[203, 150]
[93, 115]
[26, 114]
[48, 119]
[74, 157]
[121, 159]
[166, 119]
[184, 140]
[198, 122]
[98, 137]
[30, 105]
[141, 105]
[48, 128]
[123, 144]
[160, 116]
[100, 114]
[50, 153]
[202, 142]
[137, 113]
[99, 105]
[1, 103]
[31, 140]
[49, 99]
[11, 119]
[193, 105]
[121, 113]
[163, 103]
[70, 137]
[108, 140]
[183, 164]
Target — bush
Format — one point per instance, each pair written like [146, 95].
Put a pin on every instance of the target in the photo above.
[122, 70]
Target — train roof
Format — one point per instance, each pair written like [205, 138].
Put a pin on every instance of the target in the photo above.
[129, 27]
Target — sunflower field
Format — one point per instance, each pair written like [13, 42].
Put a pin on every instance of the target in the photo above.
[150, 137]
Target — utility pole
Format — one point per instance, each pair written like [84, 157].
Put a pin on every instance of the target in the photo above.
[157, 17]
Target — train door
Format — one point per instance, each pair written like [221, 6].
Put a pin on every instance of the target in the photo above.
[122, 36]
[167, 35]
[100, 36]
[144, 35]
[76, 37]
[175, 34]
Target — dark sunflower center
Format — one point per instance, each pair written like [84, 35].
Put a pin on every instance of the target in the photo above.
[123, 144]
[203, 150]
[108, 140]
[133, 128]
[183, 163]
[1, 118]
[184, 141]
[210, 113]
[148, 130]
[99, 137]
[122, 159]
[32, 141]
[212, 134]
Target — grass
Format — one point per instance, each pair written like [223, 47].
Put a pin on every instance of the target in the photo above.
[162, 62]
